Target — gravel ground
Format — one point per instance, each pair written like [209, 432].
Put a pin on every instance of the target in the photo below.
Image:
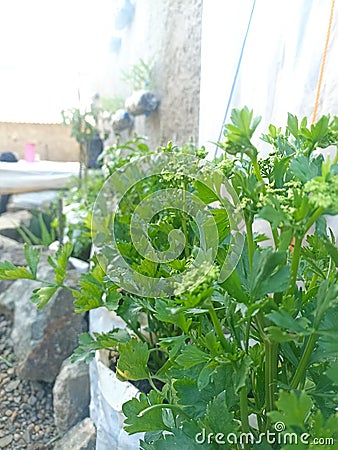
[26, 408]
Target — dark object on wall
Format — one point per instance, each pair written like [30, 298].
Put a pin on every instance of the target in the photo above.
[124, 15]
[141, 102]
[95, 149]
[121, 121]
[4, 199]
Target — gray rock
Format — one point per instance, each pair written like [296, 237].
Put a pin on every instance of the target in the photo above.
[11, 251]
[43, 339]
[80, 437]
[5, 441]
[10, 221]
[71, 395]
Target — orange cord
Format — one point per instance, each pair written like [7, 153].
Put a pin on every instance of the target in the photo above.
[319, 86]
[321, 72]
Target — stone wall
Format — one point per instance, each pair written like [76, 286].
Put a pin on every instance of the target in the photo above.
[52, 141]
[169, 33]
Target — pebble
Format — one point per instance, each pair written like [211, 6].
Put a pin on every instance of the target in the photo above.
[26, 408]
[5, 441]
[12, 386]
[32, 400]
[13, 415]
[27, 435]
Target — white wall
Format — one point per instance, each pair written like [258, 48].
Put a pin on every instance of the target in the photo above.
[48, 50]
[281, 60]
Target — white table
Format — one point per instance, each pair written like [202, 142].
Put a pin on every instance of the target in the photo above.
[23, 176]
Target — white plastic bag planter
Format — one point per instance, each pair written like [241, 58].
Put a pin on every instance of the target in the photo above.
[112, 394]
[141, 102]
[108, 394]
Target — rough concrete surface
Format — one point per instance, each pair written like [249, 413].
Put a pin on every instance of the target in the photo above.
[52, 141]
[167, 32]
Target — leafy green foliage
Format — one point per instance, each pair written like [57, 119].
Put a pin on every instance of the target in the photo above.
[299, 415]
[40, 230]
[139, 76]
[88, 344]
[9, 271]
[60, 261]
[132, 364]
[293, 409]
[293, 328]
[262, 342]
[140, 417]
[95, 292]
[42, 295]
[32, 256]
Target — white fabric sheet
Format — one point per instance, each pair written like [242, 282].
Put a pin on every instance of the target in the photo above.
[37, 176]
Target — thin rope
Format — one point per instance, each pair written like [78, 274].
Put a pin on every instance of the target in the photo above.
[236, 76]
[322, 66]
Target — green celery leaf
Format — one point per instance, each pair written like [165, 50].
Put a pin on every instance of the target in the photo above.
[293, 408]
[204, 377]
[332, 372]
[166, 312]
[283, 319]
[191, 356]
[9, 271]
[132, 363]
[193, 400]
[234, 286]
[241, 373]
[293, 125]
[332, 250]
[218, 418]
[88, 344]
[273, 214]
[42, 295]
[178, 438]
[59, 263]
[278, 335]
[328, 333]
[90, 294]
[84, 303]
[32, 256]
[267, 276]
[150, 420]
[324, 428]
[279, 171]
[303, 168]
[204, 193]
